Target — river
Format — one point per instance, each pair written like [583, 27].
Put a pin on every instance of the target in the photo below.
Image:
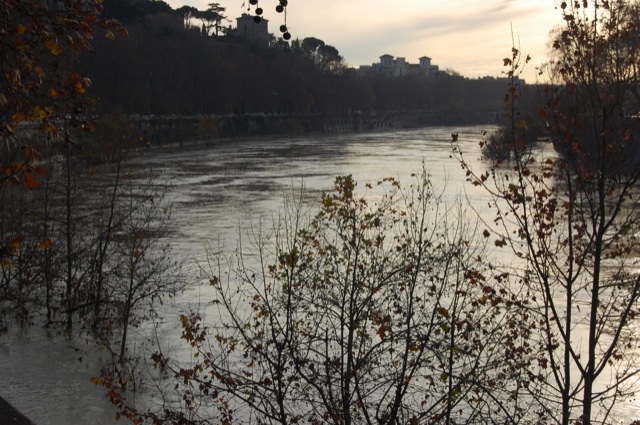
[214, 191]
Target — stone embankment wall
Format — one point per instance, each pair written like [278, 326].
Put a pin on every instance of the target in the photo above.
[158, 130]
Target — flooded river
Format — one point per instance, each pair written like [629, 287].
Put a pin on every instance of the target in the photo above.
[214, 191]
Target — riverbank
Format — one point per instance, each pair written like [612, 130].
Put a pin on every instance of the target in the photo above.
[157, 130]
[109, 135]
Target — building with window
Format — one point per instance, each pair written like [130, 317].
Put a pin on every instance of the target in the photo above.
[399, 67]
[248, 29]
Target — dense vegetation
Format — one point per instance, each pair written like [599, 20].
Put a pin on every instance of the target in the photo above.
[167, 66]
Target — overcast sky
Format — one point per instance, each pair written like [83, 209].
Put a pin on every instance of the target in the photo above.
[469, 36]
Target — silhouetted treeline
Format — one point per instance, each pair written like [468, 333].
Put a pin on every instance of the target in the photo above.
[168, 67]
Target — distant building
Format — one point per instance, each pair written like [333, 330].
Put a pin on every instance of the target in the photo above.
[399, 67]
[248, 29]
[505, 80]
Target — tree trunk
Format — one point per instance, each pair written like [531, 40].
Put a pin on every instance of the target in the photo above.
[69, 288]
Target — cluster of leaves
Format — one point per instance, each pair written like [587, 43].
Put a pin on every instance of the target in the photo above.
[39, 88]
[521, 126]
[211, 18]
[36, 39]
[596, 57]
[365, 313]
[570, 216]
[325, 56]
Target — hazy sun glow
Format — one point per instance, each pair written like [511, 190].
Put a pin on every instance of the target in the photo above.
[468, 36]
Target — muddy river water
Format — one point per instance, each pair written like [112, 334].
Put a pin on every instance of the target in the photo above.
[214, 191]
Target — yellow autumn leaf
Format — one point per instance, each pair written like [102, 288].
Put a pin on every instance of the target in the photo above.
[53, 93]
[443, 311]
[37, 113]
[45, 243]
[110, 35]
[521, 124]
[80, 87]
[16, 243]
[52, 46]
[21, 29]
